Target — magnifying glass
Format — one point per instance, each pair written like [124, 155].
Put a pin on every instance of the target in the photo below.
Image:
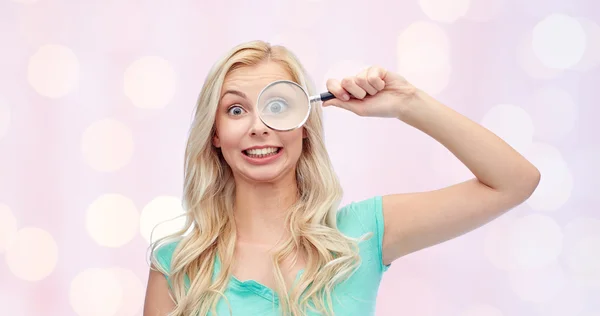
[284, 105]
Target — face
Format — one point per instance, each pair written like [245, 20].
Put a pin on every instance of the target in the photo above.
[253, 151]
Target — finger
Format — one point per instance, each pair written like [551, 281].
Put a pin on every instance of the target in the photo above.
[354, 105]
[362, 81]
[350, 85]
[335, 87]
[342, 97]
[375, 76]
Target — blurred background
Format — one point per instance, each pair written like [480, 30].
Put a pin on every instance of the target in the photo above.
[96, 99]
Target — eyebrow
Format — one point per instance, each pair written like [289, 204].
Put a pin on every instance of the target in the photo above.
[236, 92]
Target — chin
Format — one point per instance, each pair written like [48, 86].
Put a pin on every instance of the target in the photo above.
[263, 178]
[269, 174]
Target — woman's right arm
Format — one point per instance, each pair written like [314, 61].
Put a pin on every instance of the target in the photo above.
[158, 302]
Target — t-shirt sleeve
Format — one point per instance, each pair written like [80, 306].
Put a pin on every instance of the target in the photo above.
[359, 218]
[164, 254]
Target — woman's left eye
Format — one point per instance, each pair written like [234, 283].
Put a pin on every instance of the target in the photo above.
[235, 110]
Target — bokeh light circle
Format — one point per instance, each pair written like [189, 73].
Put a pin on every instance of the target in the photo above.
[582, 253]
[443, 10]
[559, 41]
[536, 241]
[569, 300]
[497, 242]
[484, 10]
[511, 123]
[583, 162]
[554, 113]
[591, 56]
[583, 260]
[134, 290]
[539, 285]
[32, 255]
[529, 62]
[107, 145]
[53, 71]
[556, 183]
[160, 218]
[112, 220]
[150, 82]
[425, 63]
[95, 292]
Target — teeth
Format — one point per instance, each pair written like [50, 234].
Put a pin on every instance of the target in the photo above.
[262, 151]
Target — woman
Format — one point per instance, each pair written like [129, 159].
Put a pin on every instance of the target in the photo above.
[265, 235]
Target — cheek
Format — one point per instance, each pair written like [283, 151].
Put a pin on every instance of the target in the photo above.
[293, 141]
[230, 136]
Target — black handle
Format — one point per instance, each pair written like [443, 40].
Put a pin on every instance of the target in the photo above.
[326, 96]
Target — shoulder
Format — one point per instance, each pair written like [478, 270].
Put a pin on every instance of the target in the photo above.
[360, 217]
[163, 253]
[364, 218]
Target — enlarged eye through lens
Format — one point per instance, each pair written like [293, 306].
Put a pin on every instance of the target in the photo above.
[276, 106]
[283, 105]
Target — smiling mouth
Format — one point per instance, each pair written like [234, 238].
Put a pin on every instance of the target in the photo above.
[262, 152]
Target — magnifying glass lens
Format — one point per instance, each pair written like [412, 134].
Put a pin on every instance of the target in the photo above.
[283, 105]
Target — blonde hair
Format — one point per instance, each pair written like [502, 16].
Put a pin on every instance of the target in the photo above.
[209, 193]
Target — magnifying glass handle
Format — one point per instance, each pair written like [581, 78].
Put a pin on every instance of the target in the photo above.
[326, 96]
[322, 97]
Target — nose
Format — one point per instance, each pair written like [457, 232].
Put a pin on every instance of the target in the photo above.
[258, 127]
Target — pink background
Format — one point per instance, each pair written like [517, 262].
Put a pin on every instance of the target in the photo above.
[96, 99]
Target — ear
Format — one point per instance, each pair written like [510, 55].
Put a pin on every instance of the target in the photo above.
[216, 141]
[304, 133]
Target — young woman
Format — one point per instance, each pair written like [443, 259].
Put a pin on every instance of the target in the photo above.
[265, 234]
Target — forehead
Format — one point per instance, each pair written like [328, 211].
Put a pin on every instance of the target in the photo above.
[252, 79]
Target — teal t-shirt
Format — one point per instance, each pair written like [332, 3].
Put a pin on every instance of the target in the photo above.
[354, 296]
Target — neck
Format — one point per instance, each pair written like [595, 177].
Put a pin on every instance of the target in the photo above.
[260, 210]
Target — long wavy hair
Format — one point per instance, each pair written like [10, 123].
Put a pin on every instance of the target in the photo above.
[209, 194]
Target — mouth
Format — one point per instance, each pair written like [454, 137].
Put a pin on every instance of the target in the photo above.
[262, 152]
